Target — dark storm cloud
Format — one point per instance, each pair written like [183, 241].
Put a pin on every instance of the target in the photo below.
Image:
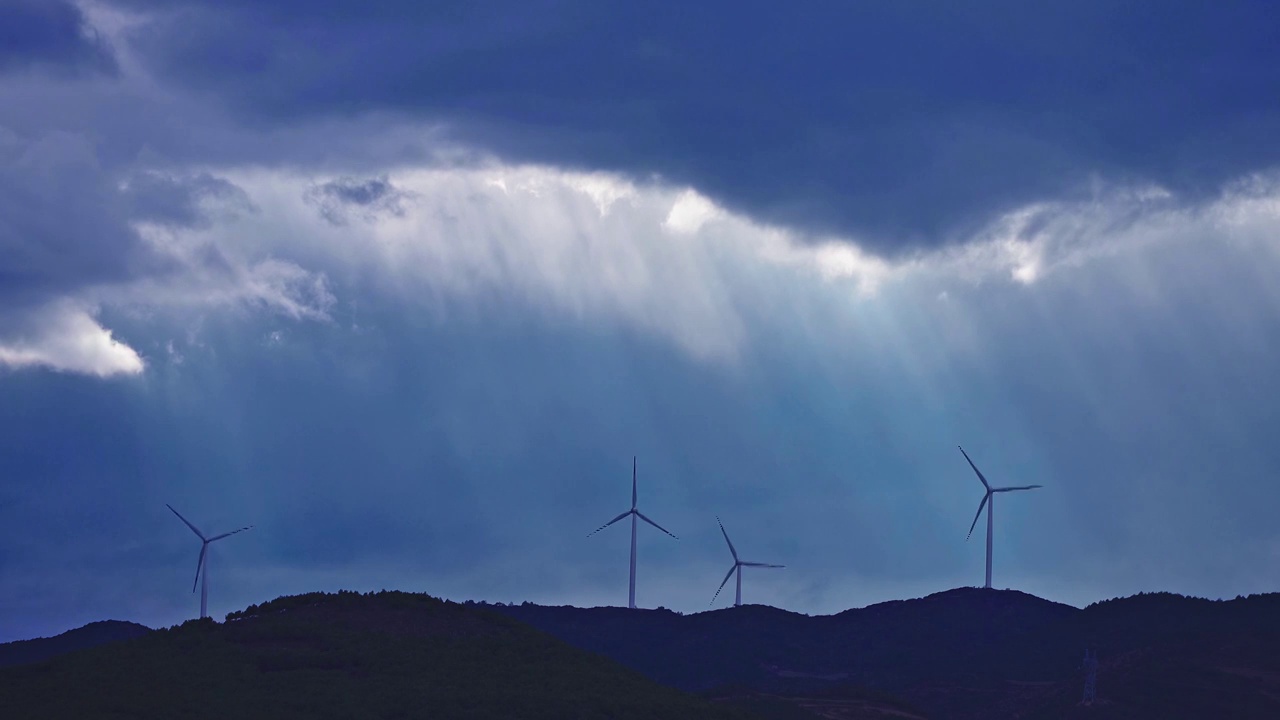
[336, 199]
[905, 121]
[66, 220]
[62, 225]
[180, 200]
[50, 33]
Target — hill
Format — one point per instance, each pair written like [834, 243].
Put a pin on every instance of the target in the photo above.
[384, 655]
[964, 653]
[24, 652]
[959, 654]
[969, 633]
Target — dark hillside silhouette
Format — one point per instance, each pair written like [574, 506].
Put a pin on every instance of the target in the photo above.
[96, 633]
[964, 653]
[384, 655]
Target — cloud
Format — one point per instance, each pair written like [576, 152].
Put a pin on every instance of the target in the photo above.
[75, 235]
[96, 213]
[50, 34]
[61, 224]
[580, 247]
[905, 125]
[67, 339]
[337, 199]
[690, 212]
[158, 197]
[465, 242]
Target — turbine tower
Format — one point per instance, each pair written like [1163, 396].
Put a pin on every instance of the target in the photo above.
[738, 564]
[635, 513]
[202, 564]
[989, 501]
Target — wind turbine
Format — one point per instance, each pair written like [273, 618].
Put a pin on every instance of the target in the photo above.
[989, 498]
[634, 513]
[202, 565]
[737, 567]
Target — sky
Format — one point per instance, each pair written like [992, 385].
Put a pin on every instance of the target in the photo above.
[407, 285]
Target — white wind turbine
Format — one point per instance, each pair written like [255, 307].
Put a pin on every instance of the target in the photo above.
[202, 564]
[737, 567]
[634, 513]
[988, 500]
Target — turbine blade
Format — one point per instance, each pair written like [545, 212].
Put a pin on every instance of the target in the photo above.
[985, 484]
[593, 532]
[633, 482]
[199, 564]
[188, 522]
[646, 519]
[722, 583]
[1020, 487]
[978, 515]
[229, 534]
[726, 539]
[763, 565]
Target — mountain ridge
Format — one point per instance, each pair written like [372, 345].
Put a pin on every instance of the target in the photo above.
[960, 653]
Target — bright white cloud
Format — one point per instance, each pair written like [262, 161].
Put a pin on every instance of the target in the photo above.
[588, 247]
[690, 212]
[206, 274]
[66, 338]
[667, 261]
[1125, 227]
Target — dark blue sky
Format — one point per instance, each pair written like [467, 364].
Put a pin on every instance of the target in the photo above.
[406, 289]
